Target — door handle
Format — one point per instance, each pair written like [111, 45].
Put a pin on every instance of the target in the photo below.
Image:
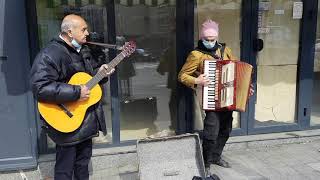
[257, 44]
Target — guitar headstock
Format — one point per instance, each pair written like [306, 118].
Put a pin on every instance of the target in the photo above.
[128, 48]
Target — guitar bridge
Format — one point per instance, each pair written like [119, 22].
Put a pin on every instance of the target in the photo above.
[65, 109]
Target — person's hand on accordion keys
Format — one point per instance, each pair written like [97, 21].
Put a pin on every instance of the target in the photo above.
[203, 80]
[251, 92]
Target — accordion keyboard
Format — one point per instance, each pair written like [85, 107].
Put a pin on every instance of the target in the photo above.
[210, 92]
[229, 85]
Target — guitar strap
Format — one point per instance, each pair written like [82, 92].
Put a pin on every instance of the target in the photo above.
[222, 51]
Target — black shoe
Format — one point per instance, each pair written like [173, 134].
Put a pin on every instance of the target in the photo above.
[197, 178]
[222, 163]
[213, 177]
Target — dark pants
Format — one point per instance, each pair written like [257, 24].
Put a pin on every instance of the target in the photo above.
[173, 109]
[73, 160]
[217, 129]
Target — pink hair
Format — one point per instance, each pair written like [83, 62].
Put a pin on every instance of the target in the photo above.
[209, 28]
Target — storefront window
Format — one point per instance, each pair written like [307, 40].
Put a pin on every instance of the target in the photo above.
[50, 14]
[315, 113]
[147, 80]
[228, 15]
[277, 63]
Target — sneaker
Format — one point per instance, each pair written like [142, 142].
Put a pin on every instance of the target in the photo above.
[221, 162]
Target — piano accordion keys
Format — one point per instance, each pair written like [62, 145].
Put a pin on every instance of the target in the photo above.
[229, 85]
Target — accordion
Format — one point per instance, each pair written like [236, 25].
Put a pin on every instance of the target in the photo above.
[229, 85]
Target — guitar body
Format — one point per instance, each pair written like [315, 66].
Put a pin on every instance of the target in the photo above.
[58, 119]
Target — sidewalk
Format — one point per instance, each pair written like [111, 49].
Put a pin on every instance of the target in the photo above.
[284, 158]
[278, 156]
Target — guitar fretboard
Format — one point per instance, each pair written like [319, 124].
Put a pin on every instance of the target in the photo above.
[100, 75]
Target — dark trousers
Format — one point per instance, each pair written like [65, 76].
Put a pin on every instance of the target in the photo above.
[73, 160]
[216, 132]
[173, 109]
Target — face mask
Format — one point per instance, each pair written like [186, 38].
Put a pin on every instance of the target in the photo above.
[76, 45]
[209, 44]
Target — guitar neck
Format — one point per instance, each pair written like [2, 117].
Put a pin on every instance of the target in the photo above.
[103, 73]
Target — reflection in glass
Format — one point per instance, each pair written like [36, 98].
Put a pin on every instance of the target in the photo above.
[277, 64]
[50, 15]
[315, 110]
[147, 80]
[228, 15]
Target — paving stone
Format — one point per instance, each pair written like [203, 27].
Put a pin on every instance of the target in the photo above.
[276, 162]
[129, 176]
[315, 166]
[309, 173]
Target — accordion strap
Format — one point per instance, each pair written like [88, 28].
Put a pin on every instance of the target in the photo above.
[223, 46]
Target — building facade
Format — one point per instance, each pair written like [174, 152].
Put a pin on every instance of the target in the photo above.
[280, 38]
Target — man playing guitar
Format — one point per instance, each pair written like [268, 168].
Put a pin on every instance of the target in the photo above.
[53, 67]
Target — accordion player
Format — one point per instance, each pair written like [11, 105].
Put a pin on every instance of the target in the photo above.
[229, 85]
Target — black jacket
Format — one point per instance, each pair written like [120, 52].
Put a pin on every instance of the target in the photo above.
[53, 67]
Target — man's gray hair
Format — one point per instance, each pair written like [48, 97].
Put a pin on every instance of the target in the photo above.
[69, 22]
[66, 25]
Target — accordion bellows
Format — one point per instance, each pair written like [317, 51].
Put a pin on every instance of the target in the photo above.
[229, 85]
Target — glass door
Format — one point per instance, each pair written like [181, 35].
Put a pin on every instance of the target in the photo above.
[147, 79]
[268, 35]
[228, 15]
[49, 15]
[277, 65]
[315, 111]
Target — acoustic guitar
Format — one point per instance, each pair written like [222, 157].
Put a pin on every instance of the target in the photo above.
[69, 116]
